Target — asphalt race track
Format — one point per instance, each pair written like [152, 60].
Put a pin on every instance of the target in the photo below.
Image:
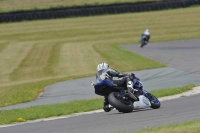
[183, 55]
[183, 62]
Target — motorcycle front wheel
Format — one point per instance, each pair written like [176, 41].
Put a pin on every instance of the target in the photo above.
[155, 103]
[143, 44]
[122, 105]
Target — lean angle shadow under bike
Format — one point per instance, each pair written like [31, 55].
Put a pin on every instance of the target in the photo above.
[143, 41]
[122, 100]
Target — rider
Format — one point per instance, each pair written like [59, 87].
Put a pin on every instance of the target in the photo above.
[124, 80]
[147, 34]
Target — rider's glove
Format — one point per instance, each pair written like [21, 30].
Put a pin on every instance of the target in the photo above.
[131, 90]
[130, 86]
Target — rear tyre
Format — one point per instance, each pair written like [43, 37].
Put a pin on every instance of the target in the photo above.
[124, 106]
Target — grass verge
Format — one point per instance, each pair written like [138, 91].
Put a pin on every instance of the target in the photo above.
[45, 111]
[122, 56]
[172, 91]
[186, 127]
[28, 91]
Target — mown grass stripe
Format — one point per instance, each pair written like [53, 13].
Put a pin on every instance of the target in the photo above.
[3, 46]
[11, 57]
[53, 60]
[76, 58]
[32, 65]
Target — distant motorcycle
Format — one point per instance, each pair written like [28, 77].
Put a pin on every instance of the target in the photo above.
[122, 99]
[144, 41]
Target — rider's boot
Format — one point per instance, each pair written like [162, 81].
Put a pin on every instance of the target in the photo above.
[106, 107]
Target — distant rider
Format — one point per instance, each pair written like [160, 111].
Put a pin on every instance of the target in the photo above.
[147, 34]
[124, 81]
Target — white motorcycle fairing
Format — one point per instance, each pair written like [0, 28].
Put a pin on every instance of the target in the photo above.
[142, 103]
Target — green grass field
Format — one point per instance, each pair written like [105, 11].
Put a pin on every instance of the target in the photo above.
[37, 53]
[15, 5]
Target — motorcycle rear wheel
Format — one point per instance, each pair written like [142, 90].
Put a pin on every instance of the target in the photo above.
[124, 106]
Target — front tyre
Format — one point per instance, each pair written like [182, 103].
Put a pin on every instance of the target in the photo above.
[120, 104]
[142, 44]
[155, 103]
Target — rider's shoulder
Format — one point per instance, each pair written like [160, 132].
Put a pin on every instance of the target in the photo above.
[136, 78]
[111, 69]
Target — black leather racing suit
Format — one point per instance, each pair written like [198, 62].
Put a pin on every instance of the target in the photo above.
[110, 74]
[148, 36]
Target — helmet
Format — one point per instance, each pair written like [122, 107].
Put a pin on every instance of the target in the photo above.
[102, 66]
[146, 32]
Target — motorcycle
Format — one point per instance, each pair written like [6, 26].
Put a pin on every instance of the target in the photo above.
[144, 41]
[123, 100]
